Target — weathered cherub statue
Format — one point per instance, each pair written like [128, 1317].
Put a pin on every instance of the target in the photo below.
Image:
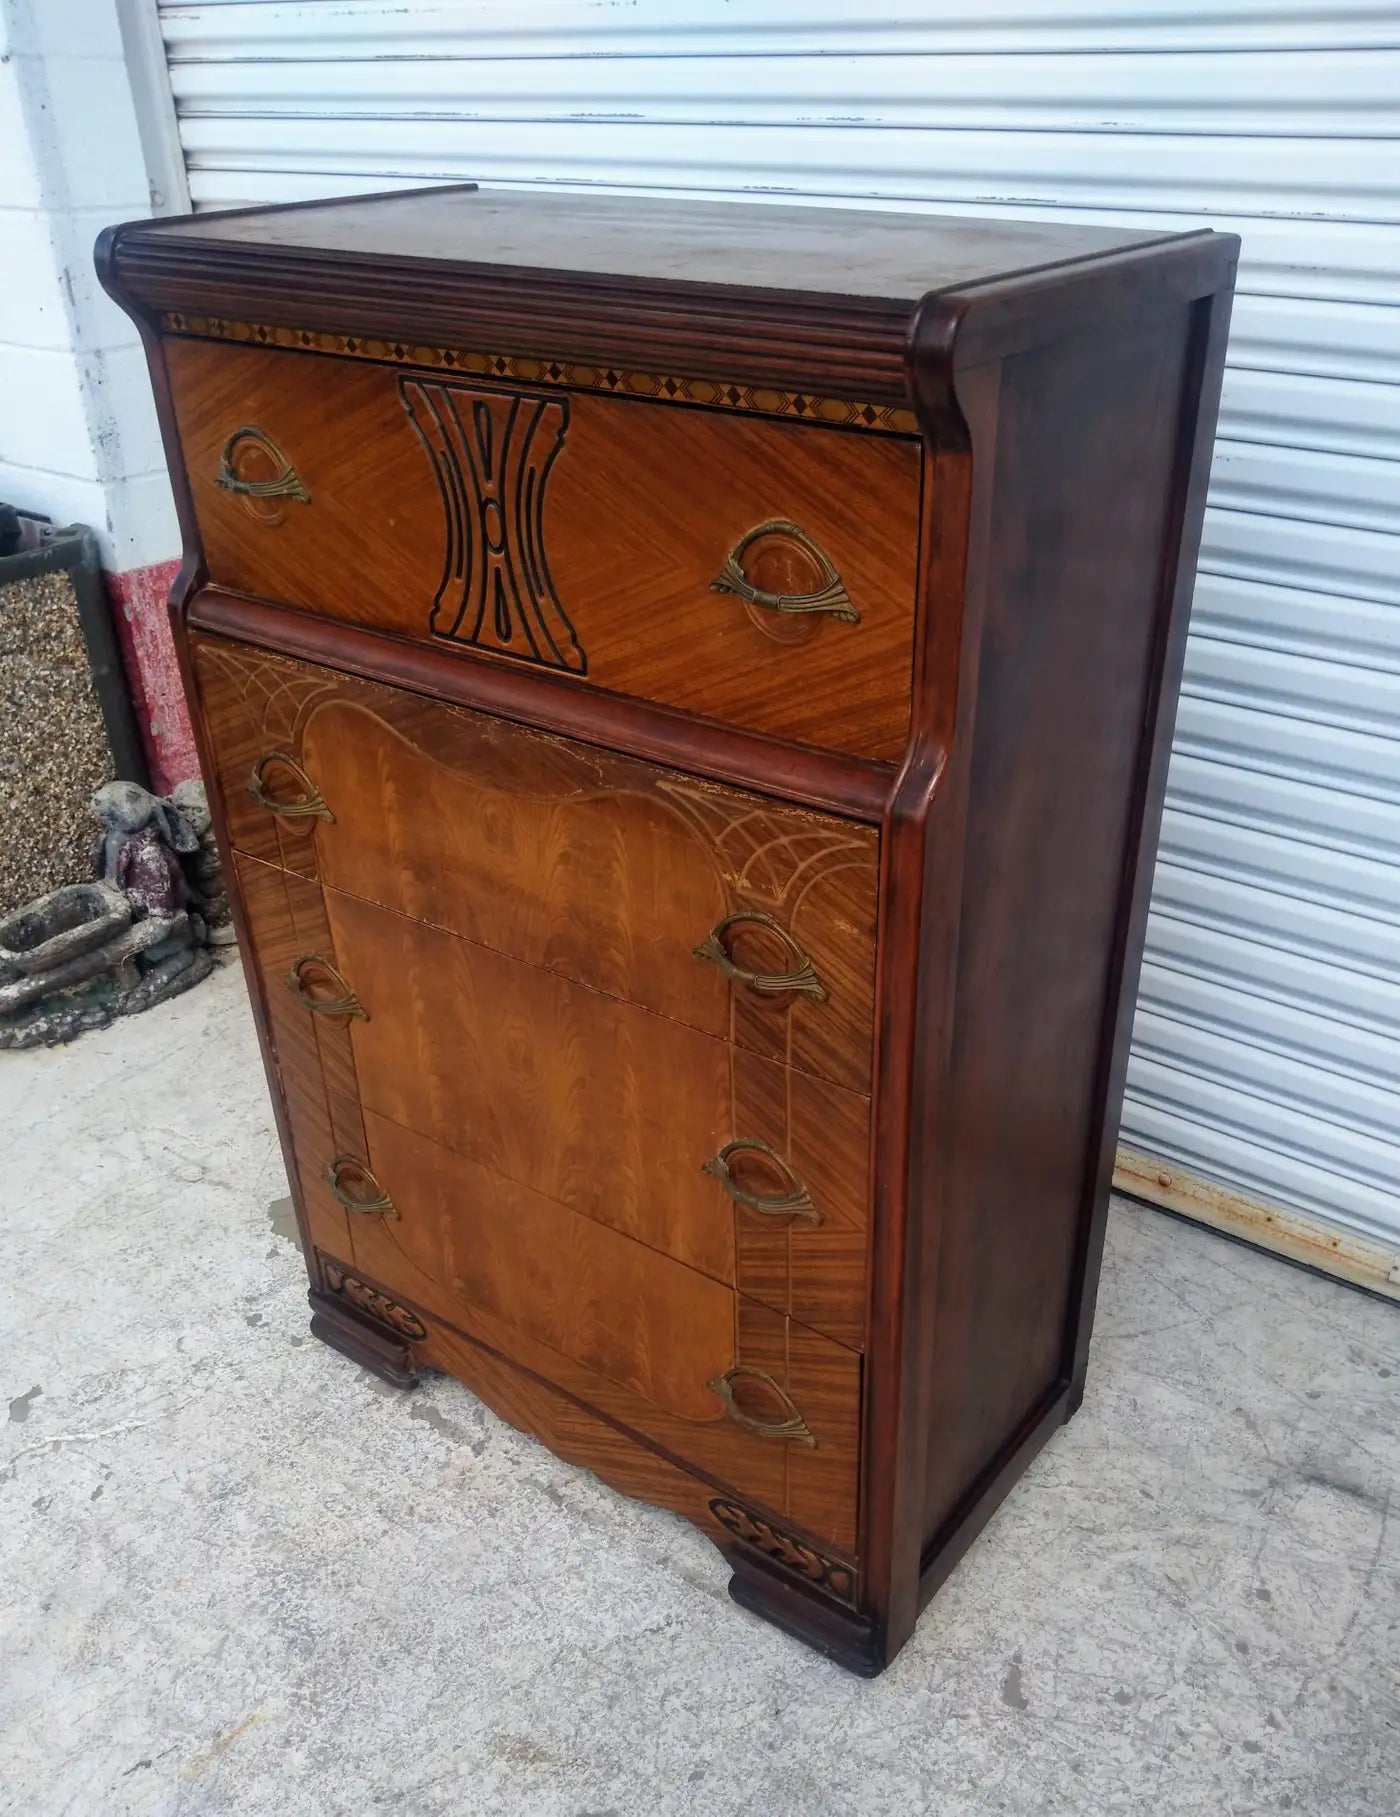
[138, 850]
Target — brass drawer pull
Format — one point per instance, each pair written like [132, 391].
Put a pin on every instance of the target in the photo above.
[800, 977]
[791, 1426]
[831, 599]
[347, 1004]
[381, 1206]
[283, 484]
[796, 1202]
[312, 803]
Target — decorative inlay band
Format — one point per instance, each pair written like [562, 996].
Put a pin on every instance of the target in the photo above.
[372, 1303]
[793, 1554]
[568, 375]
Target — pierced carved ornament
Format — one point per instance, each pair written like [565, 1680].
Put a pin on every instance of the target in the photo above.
[491, 454]
[372, 1303]
[785, 1549]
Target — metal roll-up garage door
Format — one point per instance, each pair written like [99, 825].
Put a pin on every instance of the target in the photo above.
[1266, 1055]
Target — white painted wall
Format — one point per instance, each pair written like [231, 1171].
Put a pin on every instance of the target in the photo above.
[78, 435]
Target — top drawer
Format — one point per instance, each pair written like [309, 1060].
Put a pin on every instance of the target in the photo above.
[583, 535]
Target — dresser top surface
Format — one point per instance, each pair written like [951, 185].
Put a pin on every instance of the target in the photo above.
[838, 252]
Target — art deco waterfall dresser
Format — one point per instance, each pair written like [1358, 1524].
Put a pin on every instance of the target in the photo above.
[686, 690]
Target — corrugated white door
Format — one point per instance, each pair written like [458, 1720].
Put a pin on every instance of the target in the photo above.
[1267, 1046]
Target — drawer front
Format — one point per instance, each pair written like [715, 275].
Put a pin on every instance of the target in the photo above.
[740, 1390]
[729, 1386]
[604, 539]
[694, 901]
[748, 1174]
[743, 1170]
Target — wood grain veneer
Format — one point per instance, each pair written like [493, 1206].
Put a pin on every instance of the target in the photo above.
[572, 533]
[589, 864]
[456, 473]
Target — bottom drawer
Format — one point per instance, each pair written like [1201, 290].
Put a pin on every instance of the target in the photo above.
[573, 1430]
[720, 1382]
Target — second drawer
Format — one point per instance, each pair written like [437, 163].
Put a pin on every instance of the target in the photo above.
[741, 917]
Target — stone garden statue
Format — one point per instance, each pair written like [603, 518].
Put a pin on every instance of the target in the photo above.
[138, 850]
[141, 932]
[204, 871]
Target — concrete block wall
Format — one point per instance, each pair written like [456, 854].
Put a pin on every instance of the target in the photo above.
[78, 435]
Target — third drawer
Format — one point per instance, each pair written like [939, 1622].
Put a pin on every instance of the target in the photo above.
[549, 1094]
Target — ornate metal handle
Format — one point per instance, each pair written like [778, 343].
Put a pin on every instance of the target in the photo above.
[381, 1206]
[796, 1202]
[800, 977]
[347, 1004]
[830, 599]
[284, 484]
[312, 803]
[791, 1426]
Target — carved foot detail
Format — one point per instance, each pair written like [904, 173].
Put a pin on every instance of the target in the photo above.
[842, 1634]
[369, 1345]
[799, 1589]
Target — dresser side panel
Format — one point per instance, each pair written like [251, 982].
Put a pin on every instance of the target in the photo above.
[1087, 519]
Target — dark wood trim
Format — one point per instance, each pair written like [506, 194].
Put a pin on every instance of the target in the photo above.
[462, 677]
[838, 344]
[996, 321]
[1199, 404]
[990, 1490]
[851, 1639]
[361, 1340]
[923, 837]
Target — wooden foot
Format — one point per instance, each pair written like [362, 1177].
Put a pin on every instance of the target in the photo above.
[367, 1344]
[844, 1635]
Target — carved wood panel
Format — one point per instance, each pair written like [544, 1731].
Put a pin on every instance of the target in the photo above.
[490, 453]
[569, 1091]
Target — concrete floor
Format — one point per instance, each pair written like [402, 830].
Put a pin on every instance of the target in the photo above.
[241, 1577]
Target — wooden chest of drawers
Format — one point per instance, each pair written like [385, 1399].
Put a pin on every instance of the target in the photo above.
[687, 692]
